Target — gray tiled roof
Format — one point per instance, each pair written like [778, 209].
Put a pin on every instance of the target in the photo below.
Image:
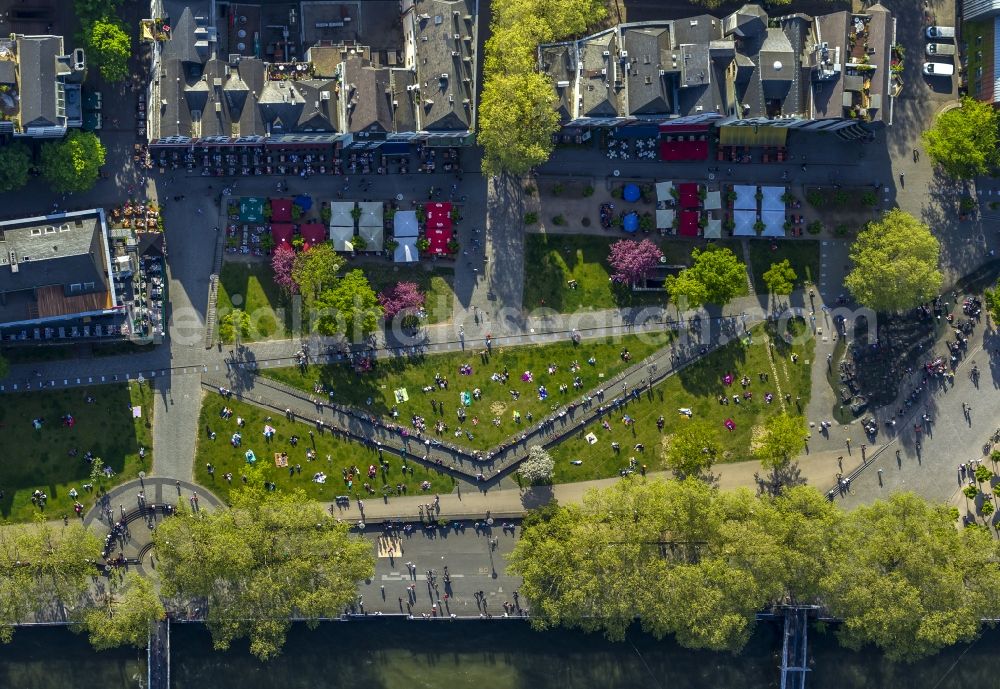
[36, 56]
[443, 103]
[648, 52]
[369, 96]
[56, 258]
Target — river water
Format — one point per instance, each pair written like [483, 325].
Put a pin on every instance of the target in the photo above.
[391, 654]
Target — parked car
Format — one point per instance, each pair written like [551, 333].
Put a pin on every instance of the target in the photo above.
[938, 69]
[940, 32]
[940, 49]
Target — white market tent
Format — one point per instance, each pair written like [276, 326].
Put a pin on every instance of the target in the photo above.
[746, 197]
[404, 224]
[772, 199]
[714, 229]
[340, 214]
[342, 238]
[713, 200]
[406, 250]
[373, 236]
[663, 191]
[774, 222]
[744, 222]
[371, 214]
[664, 218]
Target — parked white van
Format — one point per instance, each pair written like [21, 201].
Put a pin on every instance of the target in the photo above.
[940, 49]
[940, 32]
[938, 69]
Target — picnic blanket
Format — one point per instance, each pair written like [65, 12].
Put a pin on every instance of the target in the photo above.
[250, 456]
[280, 460]
[401, 395]
[466, 398]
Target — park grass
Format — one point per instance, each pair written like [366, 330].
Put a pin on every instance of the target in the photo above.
[436, 284]
[253, 288]
[697, 387]
[40, 459]
[552, 260]
[342, 454]
[802, 255]
[373, 391]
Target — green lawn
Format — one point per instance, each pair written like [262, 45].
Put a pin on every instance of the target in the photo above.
[698, 387]
[333, 456]
[437, 285]
[40, 459]
[252, 287]
[803, 255]
[553, 260]
[374, 390]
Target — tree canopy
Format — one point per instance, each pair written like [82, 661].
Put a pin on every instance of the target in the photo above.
[44, 571]
[74, 163]
[686, 559]
[271, 556]
[316, 270]
[903, 578]
[715, 276]
[234, 325]
[991, 300]
[349, 308]
[782, 440]
[517, 115]
[283, 263]
[538, 466]
[15, 161]
[780, 278]
[632, 260]
[404, 297]
[692, 450]
[895, 263]
[125, 612]
[112, 47]
[963, 140]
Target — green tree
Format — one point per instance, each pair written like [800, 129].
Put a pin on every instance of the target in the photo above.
[111, 46]
[271, 556]
[895, 263]
[692, 450]
[963, 141]
[517, 119]
[782, 440]
[903, 578]
[124, 613]
[316, 270]
[4, 368]
[780, 278]
[235, 324]
[350, 308]
[90, 11]
[719, 273]
[43, 570]
[74, 163]
[992, 301]
[15, 160]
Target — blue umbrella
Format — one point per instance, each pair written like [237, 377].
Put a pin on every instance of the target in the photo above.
[304, 202]
[631, 193]
[631, 222]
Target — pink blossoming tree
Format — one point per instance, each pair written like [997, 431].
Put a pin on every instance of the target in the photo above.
[632, 260]
[404, 298]
[281, 264]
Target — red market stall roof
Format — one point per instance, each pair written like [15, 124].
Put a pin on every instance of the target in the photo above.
[281, 210]
[313, 234]
[688, 195]
[683, 150]
[438, 240]
[282, 233]
[688, 224]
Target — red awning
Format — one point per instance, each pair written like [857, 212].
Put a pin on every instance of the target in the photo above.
[282, 233]
[688, 195]
[281, 210]
[313, 233]
[689, 224]
[683, 150]
[439, 239]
